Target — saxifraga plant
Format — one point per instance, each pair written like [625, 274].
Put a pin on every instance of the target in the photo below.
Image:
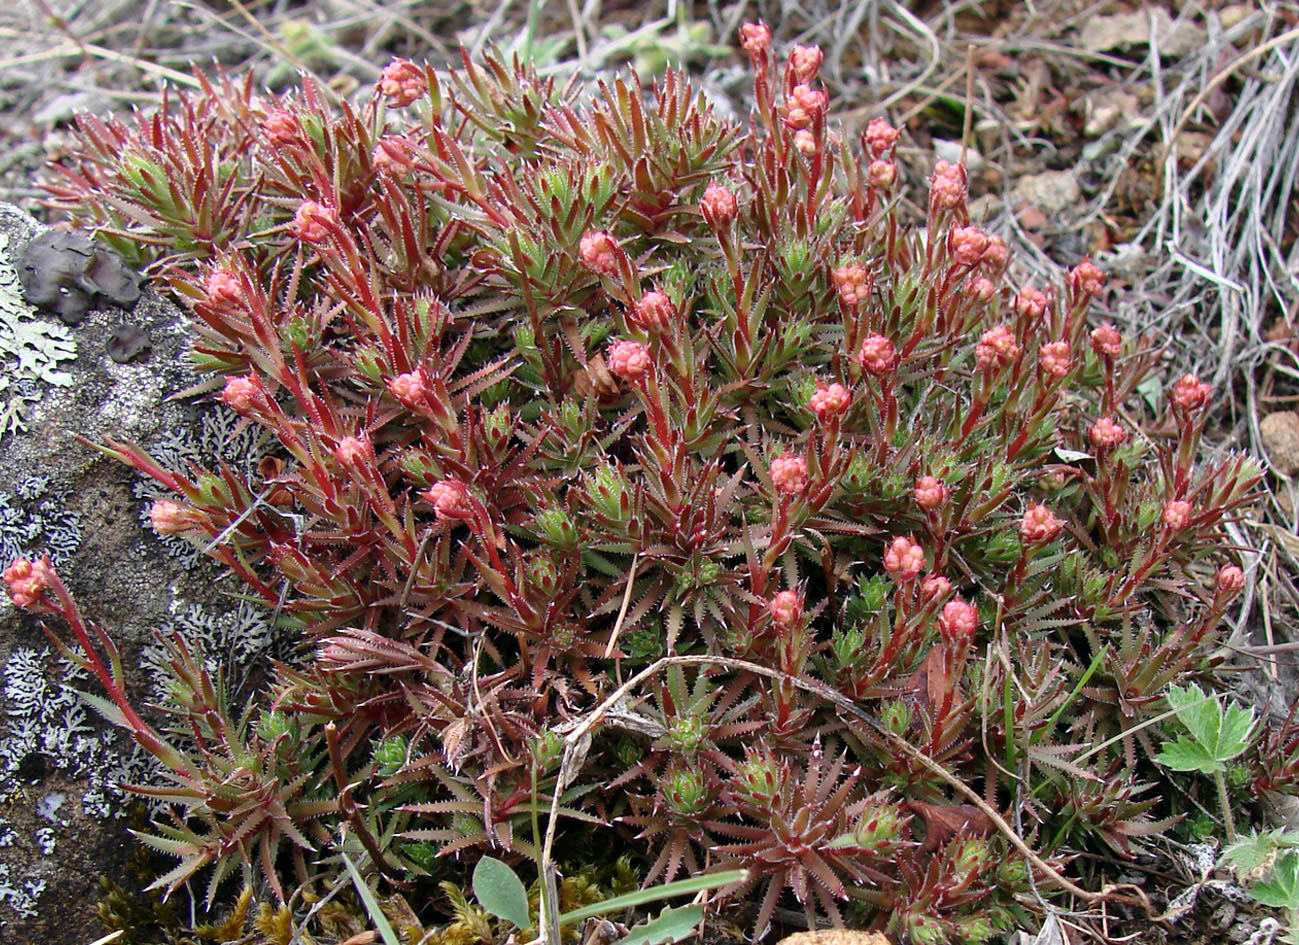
[563, 385]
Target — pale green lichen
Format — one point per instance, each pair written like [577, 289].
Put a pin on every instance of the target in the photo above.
[32, 350]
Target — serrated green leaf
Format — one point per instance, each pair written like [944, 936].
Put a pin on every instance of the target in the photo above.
[1220, 734]
[500, 891]
[1281, 888]
[671, 925]
[1186, 755]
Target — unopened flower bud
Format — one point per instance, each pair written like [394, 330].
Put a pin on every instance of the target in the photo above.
[27, 580]
[1106, 341]
[805, 143]
[853, 283]
[410, 389]
[354, 451]
[882, 174]
[903, 558]
[719, 206]
[1030, 303]
[450, 499]
[402, 82]
[930, 493]
[281, 128]
[804, 61]
[1177, 514]
[789, 474]
[982, 289]
[1086, 280]
[877, 355]
[935, 587]
[967, 245]
[755, 38]
[957, 622]
[600, 253]
[947, 186]
[881, 137]
[313, 221]
[1106, 434]
[223, 288]
[244, 394]
[804, 106]
[629, 360]
[996, 348]
[1054, 358]
[1190, 393]
[169, 518]
[1229, 581]
[997, 253]
[393, 154]
[1039, 525]
[786, 607]
[829, 402]
[654, 311]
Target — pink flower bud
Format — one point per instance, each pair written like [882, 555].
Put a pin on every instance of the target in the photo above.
[313, 221]
[169, 518]
[996, 348]
[881, 137]
[786, 608]
[654, 311]
[629, 360]
[1030, 303]
[1039, 525]
[719, 206]
[1229, 581]
[450, 499]
[1106, 434]
[804, 61]
[877, 355]
[1054, 358]
[393, 154]
[1177, 514]
[27, 580]
[354, 451]
[935, 587]
[982, 289]
[957, 622]
[967, 244]
[600, 253]
[804, 106]
[997, 254]
[930, 493]
[805, 143]
[1086, 280]
[854, 284]
[402, 82]
[789, 474]
[244, 394]
[223, 288]
[829, 402]
[1106, 341]
[281, 128]
[882, 174]
[903, 558]
[410, 389]
[755, 38]
[947, 186]
[1190, 393]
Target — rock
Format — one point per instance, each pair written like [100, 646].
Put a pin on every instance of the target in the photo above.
[1108, 108]
[835, 937]
[1122, 30]
[1050, 191]
[1280, 433]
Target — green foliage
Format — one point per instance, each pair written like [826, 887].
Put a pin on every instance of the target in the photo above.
[1218, 733]
[501, 892]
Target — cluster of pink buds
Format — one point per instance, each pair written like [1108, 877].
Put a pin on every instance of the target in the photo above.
[930, 493]
[903, 558]
[789, 474]
[654, 311]
[1086, 280]
[882, 174]
[805, 105]
[1229, 581]
[244, 394]
[1030, 303]
[223, 288]
[313, 221]
[1106, 341]
[1191, 394]
[450, 499]
[410, 388]
[958, 622]
[982, 289]
[1039, 525]
[281, 128]
[829, 402]
[967, 244]
[1054, 356]
[881, 138]
[393, 154]
[170, 518]
[402, 82]
[935, 587]
[755, 39]
[786, 608]
[947, 186]
[719, 206]
[1177, 514]
[805, 143]
[600, 253]
[629, 360]
[354, 451]
[853, 283]
[996, 348]
[1105, 434]
[804, 63]
[27, 580]
[877, 356]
